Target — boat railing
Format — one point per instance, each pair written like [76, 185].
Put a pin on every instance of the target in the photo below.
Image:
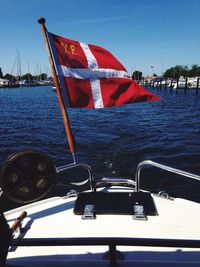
[91, 178]
[126, 182]
[111, 242]
[160, 166]
[108, 181]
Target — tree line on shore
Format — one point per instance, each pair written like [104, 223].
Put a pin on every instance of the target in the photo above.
[28, 77]
[174, 72]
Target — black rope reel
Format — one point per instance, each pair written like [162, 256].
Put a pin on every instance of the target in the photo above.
[27, 176]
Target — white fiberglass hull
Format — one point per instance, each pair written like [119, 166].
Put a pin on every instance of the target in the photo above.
[54, 218]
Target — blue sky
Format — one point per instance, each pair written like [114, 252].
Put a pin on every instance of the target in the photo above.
[140, 33]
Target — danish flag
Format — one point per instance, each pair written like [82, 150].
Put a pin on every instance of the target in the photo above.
[91, 77]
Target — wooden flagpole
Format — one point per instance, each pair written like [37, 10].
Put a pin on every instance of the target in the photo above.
[68, 131]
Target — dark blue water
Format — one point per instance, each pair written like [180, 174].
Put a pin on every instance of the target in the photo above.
[114, 140]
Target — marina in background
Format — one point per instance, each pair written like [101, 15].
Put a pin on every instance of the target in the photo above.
[178, 83]
[152, 82]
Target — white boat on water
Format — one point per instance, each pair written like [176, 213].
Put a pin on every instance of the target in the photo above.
[181, 83]
[115, 223]
[186, 83]
[193, 82]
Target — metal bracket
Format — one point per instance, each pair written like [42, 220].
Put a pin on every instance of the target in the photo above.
[89, 212]
[139, 213]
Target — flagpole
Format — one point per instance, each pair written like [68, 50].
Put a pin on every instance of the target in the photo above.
[66, 121]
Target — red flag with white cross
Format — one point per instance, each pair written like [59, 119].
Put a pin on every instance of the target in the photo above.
[91, 77]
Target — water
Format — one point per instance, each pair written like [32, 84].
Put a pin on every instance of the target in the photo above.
[113, 141]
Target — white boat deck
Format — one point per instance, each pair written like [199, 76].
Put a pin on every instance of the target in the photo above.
[54, 218]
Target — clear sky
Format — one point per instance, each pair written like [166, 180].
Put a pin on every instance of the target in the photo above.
[141, 34]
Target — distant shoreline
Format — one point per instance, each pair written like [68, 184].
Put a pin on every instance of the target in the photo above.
[25, 85]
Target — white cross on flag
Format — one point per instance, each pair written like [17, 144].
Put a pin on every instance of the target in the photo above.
[91, 77]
